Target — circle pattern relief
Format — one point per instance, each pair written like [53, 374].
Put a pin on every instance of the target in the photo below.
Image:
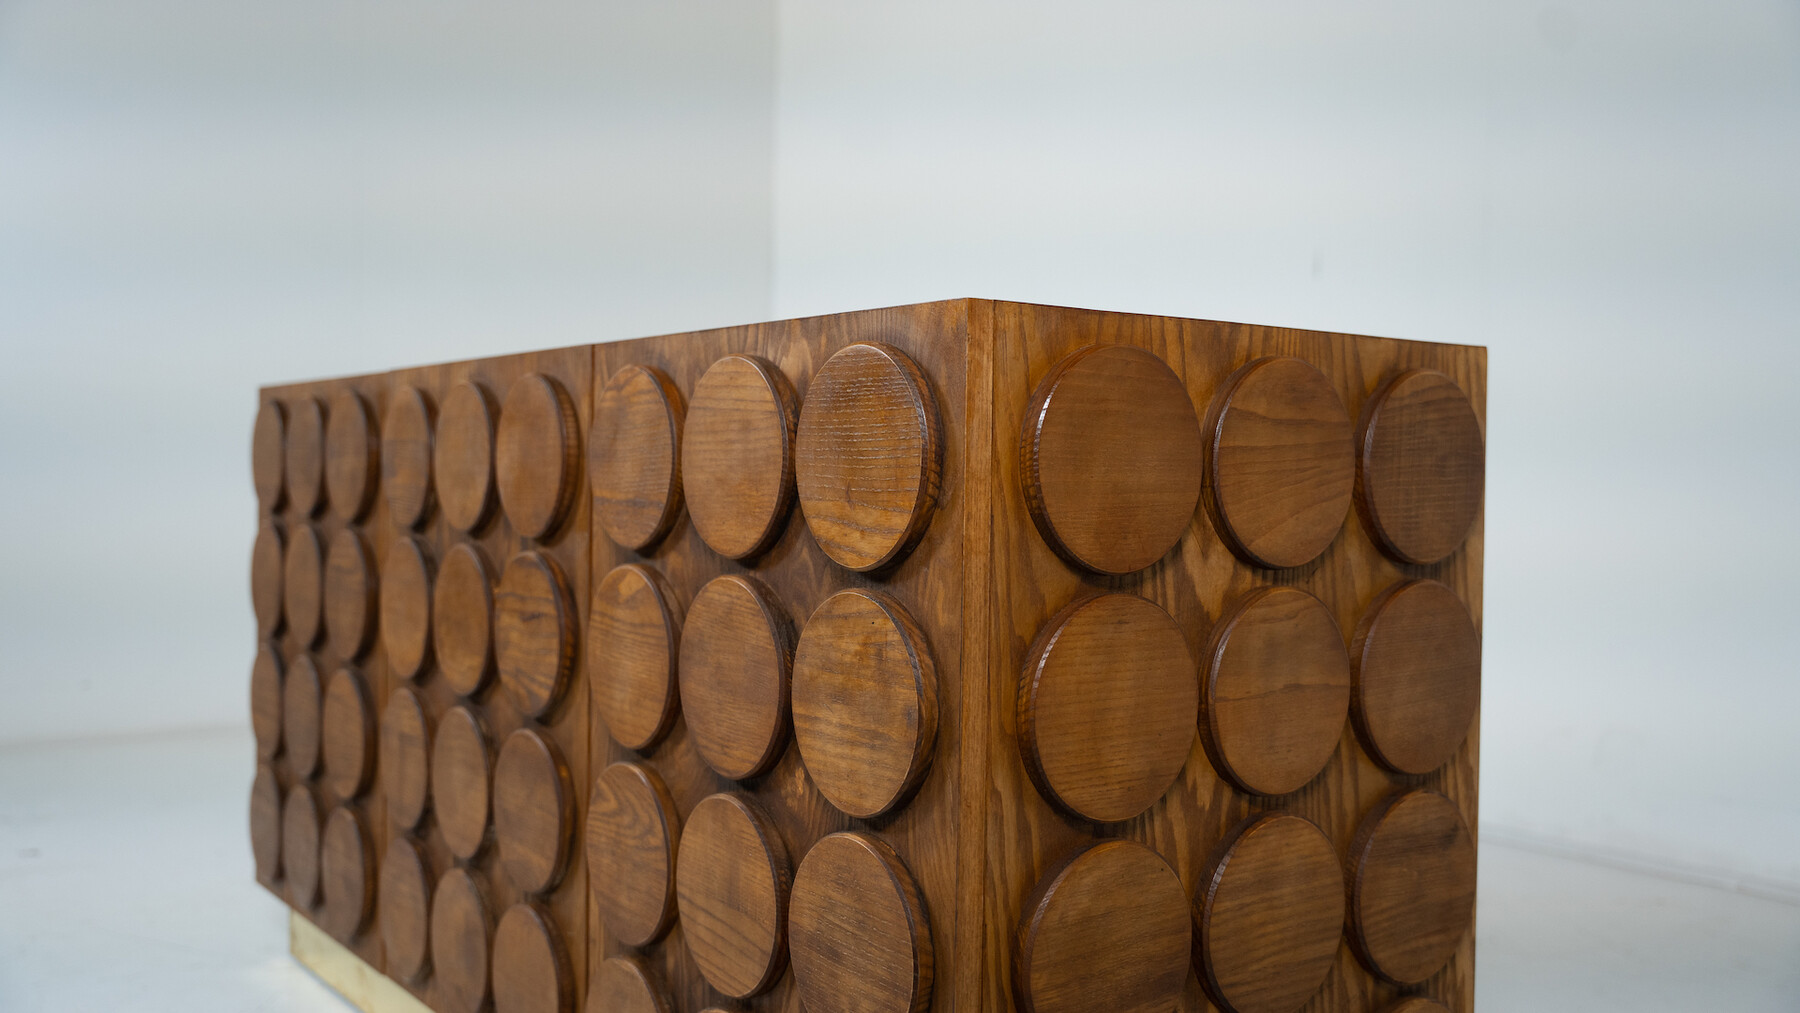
[403, 903]
[463, 457]
[1421, 466]
[352, 457]
[346, 874]
[459, 780]
[303, 585]
[1417, 676]
[406, 453]
[737, 461]
[537, 455]
[462, 620]
[534, 632]
[861, 941]
[534, 811]
[532, 973]
[301, 701]
[265, 823]
[351, 605]
[634, 456]
[461, 934]
[348, 735]
[626, 985]
[632, 829]
[300, 846]
[731, 887]
[1270, 913]
[268, 453]
[633, 631]
[406, 607]
[734, 672]
[304, 465]
[405, 758]
[265, 702]
[1412, 886]
[268, 557]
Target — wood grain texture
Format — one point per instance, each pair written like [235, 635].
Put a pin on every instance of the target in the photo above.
[1275, 691]
[534, 811]
[405, 621]
[300, 847]
[346, 873]
[737, 455]
[405, 758]
[1412, 885]
[265, 824]
[267, 559]
[534, 632]
[1421, 466]
[626, 985]
[1417, 666]
[1107, 929]
[461, 936]
[858, 931]
[634, 456]
[1270, 915]
[303, 585]
[731, 886]
[302, 700]
[869, 456]
[304, 463]
[632, 831]
[1280, 462]
[1417, 1004]
[1107, 707]
[1111, 454]
[352, 457]
[463, 456]
[348, 734]
[268, 455]
[537, 455]
[865, 701]
[462, 619]
[532, 973]
[265, 702]
[736, 658]
[351, 589]
[406, 456]
[459, 781]
[633, 632]
[403, 901]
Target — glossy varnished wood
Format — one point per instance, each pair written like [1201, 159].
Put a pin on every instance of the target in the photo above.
[1412, 885]
[634, 628]
[634, 456]
[534, 811]
[1421, 466]
[857, 930]
[403, 902]
[737, 455]
[1270, 915]
[632, 831]
[534, 632]
[735, 664]
[731, 886]
[1417, 664]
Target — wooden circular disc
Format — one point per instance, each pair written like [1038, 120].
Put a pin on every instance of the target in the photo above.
[267, 560]
[734, 670]
[532, 973]
[265, 823]
[265, 702]
[625, 985]
[1275, 691]
[634, 456]
[352, 456]
[459, 781]
[1111, 458]
[406, 456]
[1270, 912]
[406, 607]
[632, 827]
[268, 455]
[405, 758]
[461, 927]
[462, 619]
[349, 735]
[303, 465]
[462, 459]
[868, 456]
[1280, 462]
[1420, 467]
[856, 923]
[303, 585]
[1418, 1004]
[404, 906]
[537, 455]
[534, 811]
[1108, 703]
[731, 885]
[347, 873]
[737, 460]
[865, 702]
[534, 632]
[1412, 885]
[1107, 930]
[351, 606]
[300, 846]
[301, 703]
[1417, 675]
[633, 631]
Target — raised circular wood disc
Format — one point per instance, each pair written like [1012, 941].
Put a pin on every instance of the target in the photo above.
[1412, 885]
[1417, 675]
[265, 823]
[462, 459]
[267, 559]
[861, 942]
[1275, 691]
[534, 811]
[459, 781]
[351, 605]
[461, 928]
[349, 735]
[406, 453]
[268, 455]
[731, 886]
[737, 459]
[405, 758]
[1420, 467]
[352, 456]
[1418, 1004]
[300, 846]
[1107, 930]
[303, 465]
[734, 672]
[303, 585]
[632, 829]
[865, 702]
[404, 906]
[1108, 704]
[532, 973]
[1110, 452]
[625, 985]
[634, 456]
[537, 455]
[1280, 462]
[301, 701]
[868, 456]
[406, 607]
[347, 873]
[462, 619]
[1271, 913]
[633, 631]
[265, 702]
[534, 632]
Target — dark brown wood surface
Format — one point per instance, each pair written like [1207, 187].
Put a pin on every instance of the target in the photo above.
[303, 584]
[405, 758]
[534, 811]
[534, 632]
[626, 985]
[266, 823]
[462, 931]
[265, 701]
[634, 456]
[406, 456]
[304, 463]
[537, 455]
[632, 831]
[737, 455]
[352, 456]
[1420, 467]
[268, 450]
[731, 887]
[302, 700]
[634, 628]
[300, 831]
[347, 734]
[346, 873]
[268, 557]
[532, 972]
[406, 607]
[462, 625]
[463, 456]
[736, 656]
[857, 929]
[1417, 663]
[403, 905]
[1412, 886]
[460, 770]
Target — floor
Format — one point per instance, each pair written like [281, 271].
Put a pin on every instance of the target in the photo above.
[125, 884]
